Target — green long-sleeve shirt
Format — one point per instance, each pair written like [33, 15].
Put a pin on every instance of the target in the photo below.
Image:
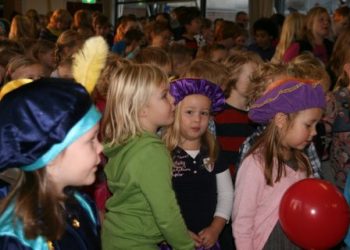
[143, 210]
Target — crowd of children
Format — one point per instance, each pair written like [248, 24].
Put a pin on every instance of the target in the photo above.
[204, 128]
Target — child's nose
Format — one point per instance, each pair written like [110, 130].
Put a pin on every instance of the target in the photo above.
[197, 118]
[313, 131]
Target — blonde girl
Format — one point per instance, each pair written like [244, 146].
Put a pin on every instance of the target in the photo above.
[293, 30]
[201, 181]
[211, 71]
[142, 210]
[317, 28]
[291, 109]
[317, 31]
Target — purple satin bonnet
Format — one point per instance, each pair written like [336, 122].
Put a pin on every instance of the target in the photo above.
[181, 88]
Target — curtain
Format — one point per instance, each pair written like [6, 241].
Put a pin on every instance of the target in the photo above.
[260, 8]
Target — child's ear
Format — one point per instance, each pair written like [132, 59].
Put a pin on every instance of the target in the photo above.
[346, 68]
[280, 120]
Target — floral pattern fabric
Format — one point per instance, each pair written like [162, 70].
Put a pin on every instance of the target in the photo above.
[338, 143]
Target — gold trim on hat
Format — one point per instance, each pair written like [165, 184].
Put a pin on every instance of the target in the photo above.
[283, 91]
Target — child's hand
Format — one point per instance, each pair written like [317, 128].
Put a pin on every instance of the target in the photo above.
[209, 236]
[197, 240]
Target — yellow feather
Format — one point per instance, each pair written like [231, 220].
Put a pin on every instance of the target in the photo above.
[89, 62]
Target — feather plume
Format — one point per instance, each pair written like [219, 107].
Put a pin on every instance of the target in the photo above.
[89, 62]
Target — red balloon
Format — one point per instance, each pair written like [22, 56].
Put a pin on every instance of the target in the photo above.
[314, 214]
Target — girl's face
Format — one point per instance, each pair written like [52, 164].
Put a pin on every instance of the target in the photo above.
[34, 72]
[243, 81]
[302, 129]
[159, 110]
[194, 118]
[321, 25]
[77, 164]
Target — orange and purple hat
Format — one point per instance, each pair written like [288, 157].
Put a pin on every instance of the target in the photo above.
[287, 96]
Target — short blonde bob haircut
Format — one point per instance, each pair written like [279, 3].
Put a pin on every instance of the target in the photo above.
[130, 89]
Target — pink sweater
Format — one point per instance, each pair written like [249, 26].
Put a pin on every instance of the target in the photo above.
[255, 206]
[292, 51]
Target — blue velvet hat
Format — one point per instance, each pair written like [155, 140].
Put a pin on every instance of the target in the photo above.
[42, 118]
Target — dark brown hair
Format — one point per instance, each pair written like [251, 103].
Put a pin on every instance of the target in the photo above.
[37, 205]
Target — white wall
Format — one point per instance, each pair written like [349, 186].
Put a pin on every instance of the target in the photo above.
[43, 6]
